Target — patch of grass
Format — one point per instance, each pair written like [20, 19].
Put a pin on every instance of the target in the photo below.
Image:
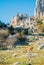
[7, 58]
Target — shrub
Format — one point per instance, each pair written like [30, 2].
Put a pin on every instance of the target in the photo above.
[11, 30]
[2, 25]
[29, 64]
[43, 27]
[39, 21]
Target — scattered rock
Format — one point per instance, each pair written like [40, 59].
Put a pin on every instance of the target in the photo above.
[16, 63]
[41, 47]
[34, 54]
[15, 55]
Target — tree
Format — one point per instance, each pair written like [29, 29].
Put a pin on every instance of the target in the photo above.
[2, 25]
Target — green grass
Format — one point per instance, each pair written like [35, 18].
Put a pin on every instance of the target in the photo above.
[7, 58]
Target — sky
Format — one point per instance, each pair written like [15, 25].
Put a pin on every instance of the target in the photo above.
[9, 8]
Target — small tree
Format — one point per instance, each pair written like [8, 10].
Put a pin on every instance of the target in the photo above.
[2, 25]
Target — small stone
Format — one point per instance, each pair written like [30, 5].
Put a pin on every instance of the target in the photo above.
[16, 63]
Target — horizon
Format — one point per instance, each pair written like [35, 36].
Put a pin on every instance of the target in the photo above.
[9, 8]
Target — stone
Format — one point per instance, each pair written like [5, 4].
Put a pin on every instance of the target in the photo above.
[16, 63]
[15, 55]
[34, 54]
[20, 20]
[11, 41]
[41, 47]
[39, 9]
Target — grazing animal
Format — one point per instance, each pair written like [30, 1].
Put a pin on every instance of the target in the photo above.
[30, 48]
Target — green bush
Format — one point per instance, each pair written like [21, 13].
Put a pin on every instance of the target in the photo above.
[43, 27]
[11, 30]
[2, 25]
[39, 21]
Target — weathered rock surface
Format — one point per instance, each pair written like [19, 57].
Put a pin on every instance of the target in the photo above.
[20, 20]
[10, 42]
[39, 10]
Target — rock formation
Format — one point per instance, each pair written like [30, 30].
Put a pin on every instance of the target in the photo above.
[20, 20]
[39, 9]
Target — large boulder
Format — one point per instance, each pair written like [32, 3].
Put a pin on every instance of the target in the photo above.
[10, 42]
[41, 47]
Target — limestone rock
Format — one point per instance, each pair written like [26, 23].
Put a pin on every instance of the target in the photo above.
[39, 9]
[20, 20]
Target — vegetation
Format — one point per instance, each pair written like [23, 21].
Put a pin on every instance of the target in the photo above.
[40, 25]
[43, 27]
[2, 25]
[39, 21]
[23, 53]
[19, 54]
[11, 30]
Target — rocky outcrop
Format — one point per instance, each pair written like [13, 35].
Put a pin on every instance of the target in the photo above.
[20, 20]
[39, 9]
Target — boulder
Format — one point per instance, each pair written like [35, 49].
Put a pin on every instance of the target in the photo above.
[41, 47]
[10, 42]
[16, 63]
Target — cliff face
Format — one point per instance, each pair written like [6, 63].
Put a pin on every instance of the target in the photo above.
[39, 9]
[20, 20]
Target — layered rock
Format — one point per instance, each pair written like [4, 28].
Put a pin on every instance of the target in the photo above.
[20, 20]
[39, 9]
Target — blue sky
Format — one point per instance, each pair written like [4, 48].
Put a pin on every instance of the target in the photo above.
[9, 8]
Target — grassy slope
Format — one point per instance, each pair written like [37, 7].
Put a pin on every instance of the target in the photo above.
[6, 57]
